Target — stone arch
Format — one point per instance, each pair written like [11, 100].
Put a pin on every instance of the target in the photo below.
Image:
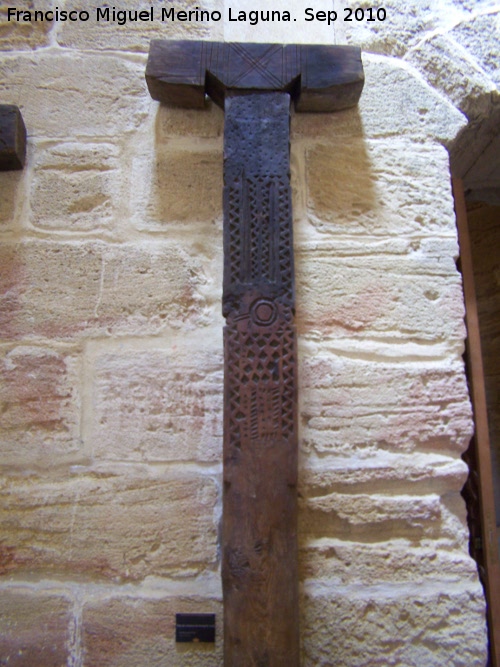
[454, 45]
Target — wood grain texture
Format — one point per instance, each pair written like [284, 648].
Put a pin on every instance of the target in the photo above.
[259, 536]
[319, 78]
[12, 138]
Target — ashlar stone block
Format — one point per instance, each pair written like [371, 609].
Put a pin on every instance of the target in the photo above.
[75, 186]
[392, 626]
[67, 94]
[40, 417]
[178, 188]
[128, 632]
[172, 122]
[36, 628]
[384, 472]
[107, 289]
[448, 67]
[481, 38]
[121, 31]
[159, 404]
[360, 297]
[348, 562]
[395, 102]
[382, 187]
[109, 523]
[25, 35]
[406, 23]
[12, 187]
[354, 406]
[380, 517]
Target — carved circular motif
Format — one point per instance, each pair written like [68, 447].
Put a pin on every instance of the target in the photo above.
[264, 312]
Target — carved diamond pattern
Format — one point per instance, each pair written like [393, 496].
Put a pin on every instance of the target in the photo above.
[261, 383]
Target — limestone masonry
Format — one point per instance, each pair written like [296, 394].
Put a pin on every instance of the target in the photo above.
[111, 339]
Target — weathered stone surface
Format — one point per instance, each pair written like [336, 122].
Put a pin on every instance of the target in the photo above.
[70, 94]
[476, 5]
[481, 38]
[65, 290]
[86, 179]
[395, 102]
[377, 296]
[127, 632]
[159, 404]
[395, 561]
[22, 35]
[379, 517]
[451, 69]
[109, 523]
[406, 23]
[177, 186]
[40, 416]
[384, 472]
[352, 405]
[11, 189]
[379, 187]
[385, 626]
[171, 122]
[136, 35]
[35, 628]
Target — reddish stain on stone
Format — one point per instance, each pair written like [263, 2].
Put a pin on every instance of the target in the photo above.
[33, 390]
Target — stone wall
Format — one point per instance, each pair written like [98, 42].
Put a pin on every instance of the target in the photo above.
[111, 344]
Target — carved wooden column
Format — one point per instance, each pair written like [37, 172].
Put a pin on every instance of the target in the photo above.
[259, 527]
[254, 83]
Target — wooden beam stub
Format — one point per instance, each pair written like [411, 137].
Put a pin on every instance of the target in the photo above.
[12, 138]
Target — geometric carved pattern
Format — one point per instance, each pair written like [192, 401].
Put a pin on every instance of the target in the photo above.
[259, 232]
[247, 65]
[254, 84]
[259, 559]
[261, 383]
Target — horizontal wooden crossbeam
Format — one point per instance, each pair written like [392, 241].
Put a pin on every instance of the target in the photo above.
[318, 78]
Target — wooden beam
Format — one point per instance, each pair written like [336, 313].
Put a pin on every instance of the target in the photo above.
[259, 526]
[319, 78]
[254, 84]
[12, 138]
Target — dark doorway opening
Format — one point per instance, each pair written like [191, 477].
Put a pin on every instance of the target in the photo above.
[479, 237]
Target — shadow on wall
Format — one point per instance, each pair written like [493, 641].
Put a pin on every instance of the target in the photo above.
[186, 178]
[11, 182]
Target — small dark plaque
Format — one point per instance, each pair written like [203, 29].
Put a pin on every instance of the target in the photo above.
[195, 628]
